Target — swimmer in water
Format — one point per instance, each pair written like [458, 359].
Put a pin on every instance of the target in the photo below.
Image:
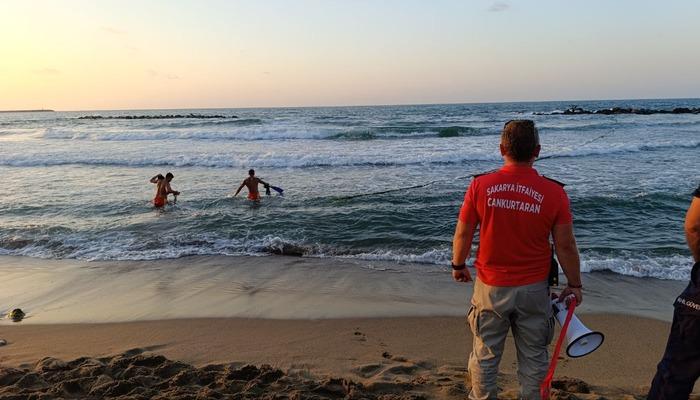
[252, 182]
[163, 189]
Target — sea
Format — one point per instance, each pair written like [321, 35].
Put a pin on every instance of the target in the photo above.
[363, 183]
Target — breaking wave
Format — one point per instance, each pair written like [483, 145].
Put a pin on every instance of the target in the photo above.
[123, 246]
[280, 159]
[253, 129]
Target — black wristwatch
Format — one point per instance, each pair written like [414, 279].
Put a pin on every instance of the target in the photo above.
[459, 267]
[574, 286]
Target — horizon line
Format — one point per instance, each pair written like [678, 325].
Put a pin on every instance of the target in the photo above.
[353, 105]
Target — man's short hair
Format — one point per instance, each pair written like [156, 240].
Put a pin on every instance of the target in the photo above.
[169, 176]
[160, 177]
[520, 139]
[251, 172]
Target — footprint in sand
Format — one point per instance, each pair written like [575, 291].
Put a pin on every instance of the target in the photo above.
[368, 370]
[360, 336]
[451, 370]
[392, 370]
[419, 364]
[401, 370]
[454, 390]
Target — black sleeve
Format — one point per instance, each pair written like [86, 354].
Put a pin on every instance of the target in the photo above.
[696, 193]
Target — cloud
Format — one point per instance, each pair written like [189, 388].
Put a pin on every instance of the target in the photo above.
[112, 30]
[499, 6]
[157, 75]
[46, 71]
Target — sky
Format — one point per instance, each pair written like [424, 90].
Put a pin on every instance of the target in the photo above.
[101, 54]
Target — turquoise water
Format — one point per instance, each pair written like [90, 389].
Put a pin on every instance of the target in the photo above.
[78, 188]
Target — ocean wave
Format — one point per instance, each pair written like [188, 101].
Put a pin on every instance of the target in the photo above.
[292, 159]
[621, 148]
[126, 247]
[205, 123]
[253, 133]
[414, 132]
[353, 135]
[123, 246]
[673, 267]
[253, 129]
[612, 126]
[260, 160]
[434, 256]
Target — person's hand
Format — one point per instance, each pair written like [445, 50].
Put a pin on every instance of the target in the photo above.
[569, 291]
[461, 275]
[176, 193]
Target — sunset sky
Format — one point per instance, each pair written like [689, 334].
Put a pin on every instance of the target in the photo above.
[78, 55]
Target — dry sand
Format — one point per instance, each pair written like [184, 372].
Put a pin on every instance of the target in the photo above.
[371, 357]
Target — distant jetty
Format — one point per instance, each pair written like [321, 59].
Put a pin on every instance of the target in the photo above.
[24, 111]
[576, 110]
[168, 116]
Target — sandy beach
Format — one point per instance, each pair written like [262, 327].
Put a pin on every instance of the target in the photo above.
[397, 356]
[324, 328]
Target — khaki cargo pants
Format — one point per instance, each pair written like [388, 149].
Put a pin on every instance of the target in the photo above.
[527, 311]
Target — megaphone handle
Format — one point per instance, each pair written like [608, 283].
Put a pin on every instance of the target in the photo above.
[547, 382]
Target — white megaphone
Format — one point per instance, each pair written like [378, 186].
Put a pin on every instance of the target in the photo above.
[580, 340]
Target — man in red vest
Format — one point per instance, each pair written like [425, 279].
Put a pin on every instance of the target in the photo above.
[516, 211]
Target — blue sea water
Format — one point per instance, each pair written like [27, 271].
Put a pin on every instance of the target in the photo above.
[78, 188]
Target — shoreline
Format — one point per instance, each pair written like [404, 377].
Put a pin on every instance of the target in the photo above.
[274, 287]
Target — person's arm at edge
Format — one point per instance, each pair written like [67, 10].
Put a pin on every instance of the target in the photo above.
[692, 226]
[170, 190]
[461, 248]
[567, 254]
[239, 188]
[154, 179]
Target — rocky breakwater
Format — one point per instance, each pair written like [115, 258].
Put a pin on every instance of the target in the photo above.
[575, 110]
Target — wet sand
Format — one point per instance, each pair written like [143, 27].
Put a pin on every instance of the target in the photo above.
[70, 291]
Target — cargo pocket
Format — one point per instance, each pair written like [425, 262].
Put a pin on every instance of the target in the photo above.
[473, 320]
[550, 330]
